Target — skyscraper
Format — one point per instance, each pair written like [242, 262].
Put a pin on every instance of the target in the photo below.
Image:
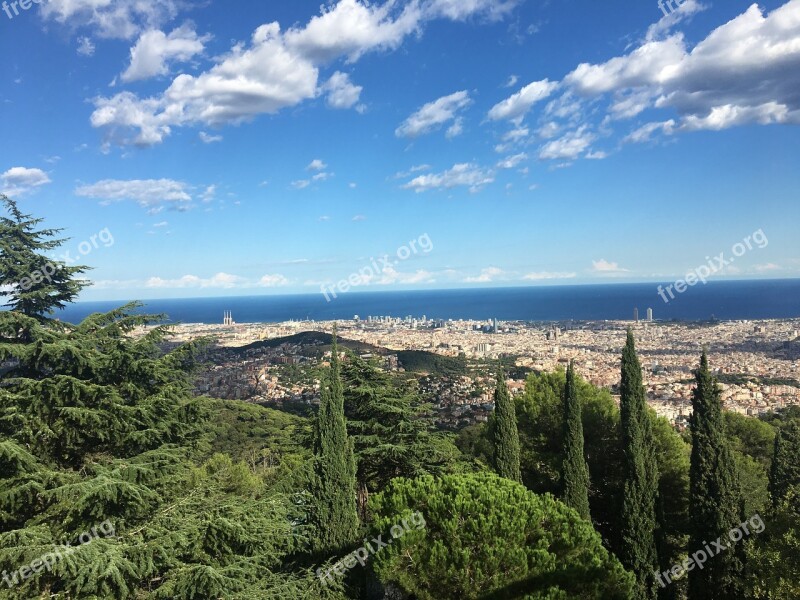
[649, 314]
[636, 314]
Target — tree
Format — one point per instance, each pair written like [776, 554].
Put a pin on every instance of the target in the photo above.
[504, 432]
[484, 536]
[716, 504]
[392, 430]
[334, 485]
[785, 473]
[638, 528]
[574, 472]
[35, 284]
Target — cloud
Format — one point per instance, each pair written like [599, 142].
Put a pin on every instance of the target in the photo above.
[766, 268]
[684, 12]
[19, 181]
[511, 162]
[155, 49]
[276, 70]
[271, 281]
[220, 280]
[316, 165]
[434, 114]
[85, 46]
[120, 19]
[517, 106]
[486, 276]
[207, 138]
[153, 194]
[607, 268]
[359, 218]
[464, 174]
[568, 147]
[645, 132]
[391, 276]
[340, 91]
[545, 275]
[301, 184]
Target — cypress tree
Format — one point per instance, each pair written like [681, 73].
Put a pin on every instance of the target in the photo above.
[574, 471]
[715, 499]
[335, 514]
[638, 528]
[785, 473]
[504, 433]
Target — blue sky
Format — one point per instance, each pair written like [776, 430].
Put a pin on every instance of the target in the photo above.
[238, 148]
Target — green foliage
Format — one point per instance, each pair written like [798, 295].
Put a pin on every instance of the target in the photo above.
[785, 473]
[487, 536]
[638, 550]
[504, 433]
[774, 557]
[420, 361]
[34, 284]
[716, 502]
[334, 483]
[392, 429]
[574, 472]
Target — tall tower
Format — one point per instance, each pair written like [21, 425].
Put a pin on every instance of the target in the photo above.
[636, 314]
[227, 318]
[650, 314]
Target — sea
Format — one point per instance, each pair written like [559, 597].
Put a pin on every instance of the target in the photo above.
[722, 300]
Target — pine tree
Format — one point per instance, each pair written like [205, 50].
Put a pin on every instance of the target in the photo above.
[715, 500]
[785, 474]
[335, 514]
[504, 433]
[574, 471]
[35, 284]
[638, 528]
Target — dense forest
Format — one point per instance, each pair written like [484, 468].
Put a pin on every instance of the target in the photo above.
[115, 482]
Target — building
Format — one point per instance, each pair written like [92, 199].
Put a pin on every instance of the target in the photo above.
[227, 319]
[636, 314]
[650, 314]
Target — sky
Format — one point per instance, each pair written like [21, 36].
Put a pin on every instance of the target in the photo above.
[215, 148]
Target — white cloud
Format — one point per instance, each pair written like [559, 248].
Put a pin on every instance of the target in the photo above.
[340, 91]
[271, 281]
[85, 46]
[220, 280]
[517, 105]
[391, 276]
[434, 114]
[464, 174]
[607, 268]
[569, 147]
[766, 268]
[301, 184]
[545, 275]
[154, 194]
[121, 19]
[18, 181]
[456, 129]
[155, 49]
[645, 132]
[207, 138]
[486, 276]
[316, 165]
[685, 11]
[512, 81]
[276, 70]
[511, 162]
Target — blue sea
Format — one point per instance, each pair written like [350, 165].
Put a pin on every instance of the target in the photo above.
[725, 300]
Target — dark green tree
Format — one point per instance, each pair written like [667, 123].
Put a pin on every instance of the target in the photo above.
[638, 549]
[34, 284]
[574, 471]
[480, 536]
[334, 484]
[715, 499]
[393, 431]
[785, 472]
[504, 433]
